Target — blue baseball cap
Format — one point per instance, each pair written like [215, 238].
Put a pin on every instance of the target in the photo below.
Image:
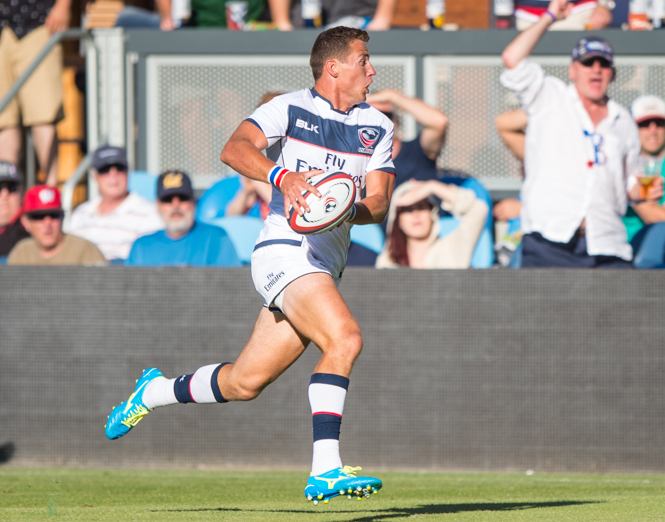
[593, 47]
[174, 183]
[9, 172]
[107, 155]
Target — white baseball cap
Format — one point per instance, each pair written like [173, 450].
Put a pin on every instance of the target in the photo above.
[647, 107]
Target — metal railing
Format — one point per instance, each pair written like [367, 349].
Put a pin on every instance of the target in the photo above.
[70, 34]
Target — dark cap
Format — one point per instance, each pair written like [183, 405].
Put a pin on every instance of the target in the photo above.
[174, 183]
[593, 47]
[108, 155]
[9, 172]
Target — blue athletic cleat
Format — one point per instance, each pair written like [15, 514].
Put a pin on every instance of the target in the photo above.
[124, 417]
[340, 481]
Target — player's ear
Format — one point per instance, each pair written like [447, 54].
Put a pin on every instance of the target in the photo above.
[332, 68]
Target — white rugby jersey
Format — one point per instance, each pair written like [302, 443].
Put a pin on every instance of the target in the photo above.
[305, 132]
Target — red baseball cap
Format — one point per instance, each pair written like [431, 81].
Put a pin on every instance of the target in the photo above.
[40, 198]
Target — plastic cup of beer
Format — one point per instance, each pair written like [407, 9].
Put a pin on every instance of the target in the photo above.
[649, 172]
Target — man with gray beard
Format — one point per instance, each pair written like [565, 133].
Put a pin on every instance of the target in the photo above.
[183, 242]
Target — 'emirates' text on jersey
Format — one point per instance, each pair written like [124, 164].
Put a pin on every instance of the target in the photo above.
[305, 132]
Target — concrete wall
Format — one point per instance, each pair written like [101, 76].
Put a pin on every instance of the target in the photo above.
[476, 370]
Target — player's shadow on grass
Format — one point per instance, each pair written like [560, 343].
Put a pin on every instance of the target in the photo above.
[441, 509]
[372, 515]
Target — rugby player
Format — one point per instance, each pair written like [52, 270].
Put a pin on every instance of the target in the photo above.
[327, 128]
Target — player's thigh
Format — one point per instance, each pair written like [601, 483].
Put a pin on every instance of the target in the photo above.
[273, 346]
[317, 310]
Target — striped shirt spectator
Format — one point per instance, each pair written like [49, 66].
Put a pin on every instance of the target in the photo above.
[115, 219]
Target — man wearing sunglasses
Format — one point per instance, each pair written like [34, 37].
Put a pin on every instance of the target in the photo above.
[117, 217]
[183, 242]
[649, 114]
[581, 154]
[41, 216]
[11, 229]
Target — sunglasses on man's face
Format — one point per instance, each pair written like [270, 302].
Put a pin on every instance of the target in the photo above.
[170, 198]
[604, 64]
[10, 186]
[42, 216]
[660, 122]
[107, 168]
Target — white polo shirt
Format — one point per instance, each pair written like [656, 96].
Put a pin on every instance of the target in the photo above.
[573, 171]
[115, 232]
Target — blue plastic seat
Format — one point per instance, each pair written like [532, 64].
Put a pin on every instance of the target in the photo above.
[213, 202]
[483, 254]
[3, 260]
[143, 183]
[243, 232]
[651, 250]
[370, 236]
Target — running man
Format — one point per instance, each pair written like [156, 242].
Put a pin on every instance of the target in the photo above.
[324, 129]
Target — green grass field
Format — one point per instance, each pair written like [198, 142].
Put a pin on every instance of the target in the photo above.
[98, 494]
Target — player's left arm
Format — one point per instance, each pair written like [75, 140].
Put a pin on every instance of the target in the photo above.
[373, 208]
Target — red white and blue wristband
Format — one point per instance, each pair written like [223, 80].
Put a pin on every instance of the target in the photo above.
[276, 175]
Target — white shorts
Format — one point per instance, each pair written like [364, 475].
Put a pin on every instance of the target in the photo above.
[278, 262]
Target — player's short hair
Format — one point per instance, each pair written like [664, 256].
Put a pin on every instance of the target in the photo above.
[333, 44]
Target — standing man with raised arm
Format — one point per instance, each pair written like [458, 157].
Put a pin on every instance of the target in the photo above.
[582, 152]
[305, 133]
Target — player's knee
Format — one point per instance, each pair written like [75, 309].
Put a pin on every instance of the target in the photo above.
[349, 345]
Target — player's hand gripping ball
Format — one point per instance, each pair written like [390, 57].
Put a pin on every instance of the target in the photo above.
[338, 194]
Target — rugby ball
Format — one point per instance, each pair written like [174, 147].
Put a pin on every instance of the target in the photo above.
[338, 194]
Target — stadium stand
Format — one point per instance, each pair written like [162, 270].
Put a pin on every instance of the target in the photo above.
[243, 231]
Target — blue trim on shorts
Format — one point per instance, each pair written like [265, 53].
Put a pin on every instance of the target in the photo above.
[330, 378]
[290, 242]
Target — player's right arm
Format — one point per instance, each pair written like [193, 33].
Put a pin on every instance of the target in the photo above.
[243, 154]
[522, 46]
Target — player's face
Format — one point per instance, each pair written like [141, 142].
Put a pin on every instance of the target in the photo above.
[416, 220]
[112, 181]
[45, 229]
[356, 73]
[10, 201]
[652, 136]
[177, 213]
[592, 78]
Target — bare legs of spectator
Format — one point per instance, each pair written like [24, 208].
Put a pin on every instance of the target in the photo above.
[45, 145]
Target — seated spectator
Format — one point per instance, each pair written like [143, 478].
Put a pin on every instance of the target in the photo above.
[649, 114]
[414, 159]
[11, 229]
[184, 242]
[413, 226]
[371, 15]
[511, 126]
[42, 217]
[251, 193]
[580, 14]
[115, 219]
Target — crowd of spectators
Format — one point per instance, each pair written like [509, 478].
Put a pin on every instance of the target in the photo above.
[591, 168]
